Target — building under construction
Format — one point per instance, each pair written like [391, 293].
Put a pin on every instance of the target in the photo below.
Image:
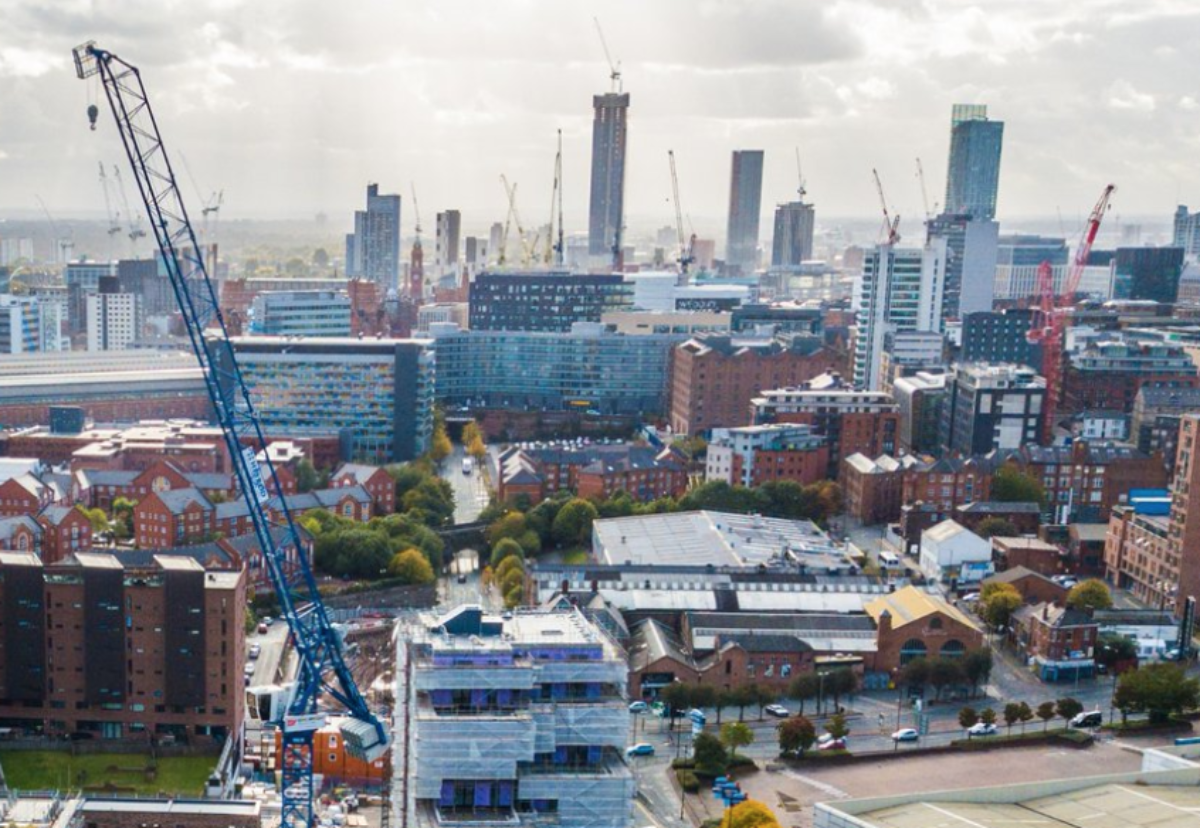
[521, 719]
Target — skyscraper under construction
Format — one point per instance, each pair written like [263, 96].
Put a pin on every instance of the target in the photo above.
[607, 206]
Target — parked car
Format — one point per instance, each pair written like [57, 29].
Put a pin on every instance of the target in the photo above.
[1089, 718]
[262, 627]
[777, 710]
[828, 742]
[698, 717]
[254, 652]
[906, 734]
[640, 749]
[268, 620]
[249, 668]
[462, 577]
[638, 707]
[982, 729]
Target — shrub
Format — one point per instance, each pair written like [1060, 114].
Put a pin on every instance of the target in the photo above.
[688, 781]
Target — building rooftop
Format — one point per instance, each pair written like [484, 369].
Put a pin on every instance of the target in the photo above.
[910, 604]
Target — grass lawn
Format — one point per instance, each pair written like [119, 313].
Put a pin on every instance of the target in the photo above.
[576, 557]
[46, 769]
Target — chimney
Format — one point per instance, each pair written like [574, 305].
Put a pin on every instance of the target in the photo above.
[1046, 612]
[885, 623]
[566, 587]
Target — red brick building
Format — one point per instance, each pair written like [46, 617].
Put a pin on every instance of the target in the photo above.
[133, 647]
[1025, 517]
[1059, 640]
[99, 488]
[20, 534]
[375, 479]
[911, 624]
[714, 378]
[1031, 553]
[65, 531]
[874, 489]
[596, 471]
[173, 517]
[1084, 481]
[1035, 588]
[950, 482]
[24, 495]
[1108, 375]
[754, 455]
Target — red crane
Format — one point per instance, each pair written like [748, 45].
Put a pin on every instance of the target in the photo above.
[1049, 326]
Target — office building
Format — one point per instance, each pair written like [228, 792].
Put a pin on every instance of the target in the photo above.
[1152, 273]
[973, 174]
[1018, 258]
[373, 249]
[661, 291]
[792, 242]
[547, 301]
[991, 407]
[514, 721]
[585, 369]
[713, 378]
[745, 207]
[449, 225]
[1154, 425]
[379, 391]
[301, 313]
[1187, 232]
[114, 320]
[689, 323]
[907, 352]
[82, 279]
[606, 212]
[1140, 551]
[971, 251]
[900, 290]
[851, 420]
[20, 325]
[1182, 567]
[130, 646]
[920, 397]
[753, 455]
[782, 317]
[1000, 336]
[1108, 372]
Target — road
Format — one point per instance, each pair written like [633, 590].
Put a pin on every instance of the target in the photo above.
[470, 490]
[272, 642]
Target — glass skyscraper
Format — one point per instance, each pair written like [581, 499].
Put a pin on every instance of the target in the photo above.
[745, 205]
[607, 206]
[973, 177]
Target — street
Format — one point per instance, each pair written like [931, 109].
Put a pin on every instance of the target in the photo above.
[272, 643]
[470, 490]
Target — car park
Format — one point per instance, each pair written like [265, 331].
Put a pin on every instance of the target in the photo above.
[640, 749]
[982, 729]
[906, 734]
[777, 710]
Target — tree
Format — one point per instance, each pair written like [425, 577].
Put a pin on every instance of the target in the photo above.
[96, 518]
[1159, 690]
[750, 814]
[1091, 594]
[1024, 714]
[987, 716]
[677, 696]
[796, 735]
[411, 567]
[514, 597]
[477, 449]
[943, 673]
[1012, 715]
[803, 688]
[434, 498]
[721, 700]
[735, 735]
[1068, 708]
[573, 523]
[511, 524]
[1115, 651]
[997, 603]
[703, 695]
[440, 447]
[743, 696]
[977, 667]
[837, 726]
[510, 564]
[470, 433]
[762, 697]
[1046, 711]
[504, 548]
[357, 552]
[915, 674]
[967, 717]
[840, 683]
[122, 512]
[1011, 485]
[710, 755]
[307, 476]
[996, 527]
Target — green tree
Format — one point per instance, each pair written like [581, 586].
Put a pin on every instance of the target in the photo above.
[1046, 711]
[944, 673]
[1114, 650]
[719, 496]
[987, 716]
[503, 549]
[721, 700]
[1091, 594]
[703, 695]
[977, 667]
[1068, 708]
[804, 687]
[915, 674]
[996, 527]
[411, 567]
[353, 553]
[1012, 715]
[796, 735]
[122, 522]
[439, 446]
[573, 523]
[710, 755]
[967, 717]
[840, 683]
[837, 726]
[677, 696]
[743, 696]
[434, 498]
[735, 735]
[1159, 690]
[509, 564]
[997, 603]
[1011, 485]
[512, 524]
[1024, 714]
[97, 519]
[541, 519]
[514, 597]
[307, 476]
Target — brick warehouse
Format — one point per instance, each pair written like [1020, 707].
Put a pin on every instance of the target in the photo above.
[136, 647]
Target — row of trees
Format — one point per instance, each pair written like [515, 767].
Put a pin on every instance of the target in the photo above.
[506, 573]
[943, 673]
[679, 697]
[1021, 713]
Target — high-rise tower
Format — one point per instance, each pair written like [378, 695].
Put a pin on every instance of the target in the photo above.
[373, 249]
[973, 177]
[607, 206]
[745, 204]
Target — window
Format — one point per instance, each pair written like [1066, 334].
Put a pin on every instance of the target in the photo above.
[914, 648]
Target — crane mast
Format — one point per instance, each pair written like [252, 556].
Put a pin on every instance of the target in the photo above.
[114, 224]
[1049, 331]
[416, 263]
[685, 248]
[554, 243]
[891, 226]
[323, 669]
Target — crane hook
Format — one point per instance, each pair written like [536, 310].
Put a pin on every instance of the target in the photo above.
[93, 113]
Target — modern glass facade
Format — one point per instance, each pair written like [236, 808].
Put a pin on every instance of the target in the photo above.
[586, 369]
[606, 214]
[301, 313]
[379, 392]
[973, 177]
[745, 205]
[551, 301]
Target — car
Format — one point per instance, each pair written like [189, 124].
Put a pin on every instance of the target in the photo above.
[640, 749]
[246, 680]
[697, 716]
[638, 707]
[249, 669]
[832, 744]
[254, 652]
[268, 620]
[982, 729]
[1089, 718]
[970, 598]
[462, 577]
[906, 734]
[262, 627]
[777, 710]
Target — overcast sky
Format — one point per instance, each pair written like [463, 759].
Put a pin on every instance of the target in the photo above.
[292, 106]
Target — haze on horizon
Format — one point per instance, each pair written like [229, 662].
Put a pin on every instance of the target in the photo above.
[292, 107]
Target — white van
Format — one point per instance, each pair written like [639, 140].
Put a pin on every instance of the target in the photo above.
[889, 560]
[468, 465]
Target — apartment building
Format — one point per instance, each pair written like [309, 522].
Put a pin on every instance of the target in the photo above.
[598, 471]
[521, 720]
[133, 647]
[1140, 551]
[991, 407]
[753, 455]
[1108, 374]
[1085, 480]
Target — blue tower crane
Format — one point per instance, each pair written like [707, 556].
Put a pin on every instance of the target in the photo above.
[323, 669]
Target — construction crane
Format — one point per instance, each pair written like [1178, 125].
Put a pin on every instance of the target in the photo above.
[801, 191]
[211, 214]
[416, 263]
[527, 248]
[924, 192]
[554, 243]
[686, 248]
[1049, 327]
[614, 69]
[135, 221]
[891, 226]
[323, 669]
[114, 219]
[63, 244]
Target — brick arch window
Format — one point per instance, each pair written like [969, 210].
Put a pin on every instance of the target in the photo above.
[912, 649]
[953, 649]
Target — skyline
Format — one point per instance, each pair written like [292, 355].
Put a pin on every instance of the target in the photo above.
[458, 98]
